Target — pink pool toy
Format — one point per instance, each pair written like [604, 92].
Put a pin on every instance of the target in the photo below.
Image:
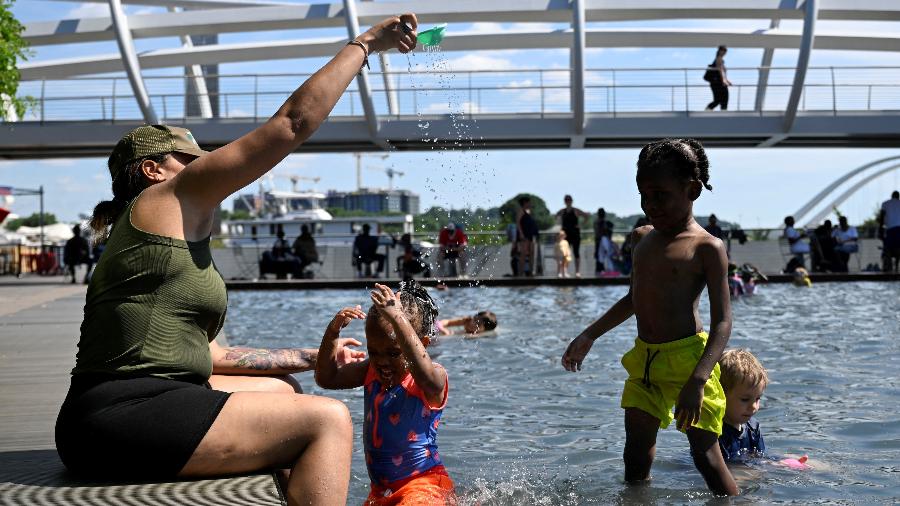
[798, 463]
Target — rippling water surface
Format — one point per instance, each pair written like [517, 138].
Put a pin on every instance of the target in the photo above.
[520, 430]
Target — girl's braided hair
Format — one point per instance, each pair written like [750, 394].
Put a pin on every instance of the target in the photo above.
[418, 307]
[683, 158]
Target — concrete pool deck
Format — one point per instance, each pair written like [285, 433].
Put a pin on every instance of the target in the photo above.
[39, 322]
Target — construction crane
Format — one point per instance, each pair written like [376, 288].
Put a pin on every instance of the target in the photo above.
[390, 174]
[359, 157]
[296, 178]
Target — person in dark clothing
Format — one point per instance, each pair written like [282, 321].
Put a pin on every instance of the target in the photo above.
[527, 231]
[822, 251]
[304, 248]
[717, 78]
[76, 252]
[410, 262]
[279, 260]
[365, 252]
[601, 226]
[570, 219]
[713, 228]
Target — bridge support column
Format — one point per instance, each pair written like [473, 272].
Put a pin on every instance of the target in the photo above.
[806, 45]
[197, 79]
[763, 82]
[576, 80]
[130, 61]
[362, 80]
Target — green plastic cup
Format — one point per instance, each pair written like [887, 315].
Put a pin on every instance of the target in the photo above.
[432, 36]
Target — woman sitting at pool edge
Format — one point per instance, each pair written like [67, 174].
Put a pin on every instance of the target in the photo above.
[144, 401]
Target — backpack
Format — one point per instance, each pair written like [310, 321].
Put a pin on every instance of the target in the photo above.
[711, 73]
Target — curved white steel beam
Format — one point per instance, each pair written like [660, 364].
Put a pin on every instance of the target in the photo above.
[243, 17]
[850, 191]
[307, 48]
[806, 45]
[763, 82]
[576, 84]
[195, 74]
[362, 80]
[813, 202]
[130, 60]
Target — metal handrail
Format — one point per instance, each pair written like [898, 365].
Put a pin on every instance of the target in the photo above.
[549, 88]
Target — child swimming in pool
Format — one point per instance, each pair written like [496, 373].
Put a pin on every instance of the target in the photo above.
[673, 362]
[744, 380]
[405, 394]
[479, 323]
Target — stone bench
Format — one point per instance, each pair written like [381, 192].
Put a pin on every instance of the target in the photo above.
[38, 477]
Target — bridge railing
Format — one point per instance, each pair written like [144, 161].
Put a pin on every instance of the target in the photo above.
[540, 92]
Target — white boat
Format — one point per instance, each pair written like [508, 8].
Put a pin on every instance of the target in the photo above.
[289, 210]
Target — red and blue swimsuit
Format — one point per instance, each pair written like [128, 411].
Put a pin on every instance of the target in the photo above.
[400, 430]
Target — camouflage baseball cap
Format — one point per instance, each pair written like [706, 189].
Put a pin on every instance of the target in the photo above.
[150, 140]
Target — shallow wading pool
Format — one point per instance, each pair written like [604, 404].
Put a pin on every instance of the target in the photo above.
[519, 429]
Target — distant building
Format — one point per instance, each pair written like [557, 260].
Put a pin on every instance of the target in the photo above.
[373, 200]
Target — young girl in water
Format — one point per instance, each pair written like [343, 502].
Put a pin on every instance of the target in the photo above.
[405, 394]
[479, 323]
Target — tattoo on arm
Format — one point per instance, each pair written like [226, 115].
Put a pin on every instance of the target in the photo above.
[266, 359]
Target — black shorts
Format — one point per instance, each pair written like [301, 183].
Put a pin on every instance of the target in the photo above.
[892, 240]
[573, 236]
[137, 428]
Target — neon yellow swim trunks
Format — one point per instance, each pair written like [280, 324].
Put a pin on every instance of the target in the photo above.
[656, 374]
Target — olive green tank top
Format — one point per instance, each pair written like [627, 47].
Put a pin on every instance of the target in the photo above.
[152, 307]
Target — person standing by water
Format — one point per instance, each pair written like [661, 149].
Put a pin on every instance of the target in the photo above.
[717, 77]
[570, 219]
[152, 395]
[601, 226]
[526, 234]
[889, 231]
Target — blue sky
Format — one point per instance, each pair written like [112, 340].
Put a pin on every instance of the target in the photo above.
[755, 187]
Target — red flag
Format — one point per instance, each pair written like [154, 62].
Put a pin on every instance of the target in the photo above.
[3, 214]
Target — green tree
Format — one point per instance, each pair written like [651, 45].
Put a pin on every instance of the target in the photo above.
[12, 48]
[32, 221]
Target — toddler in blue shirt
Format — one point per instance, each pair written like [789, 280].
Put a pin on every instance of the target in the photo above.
[744, 380]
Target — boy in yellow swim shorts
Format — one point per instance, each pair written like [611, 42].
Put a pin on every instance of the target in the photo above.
[674, 363]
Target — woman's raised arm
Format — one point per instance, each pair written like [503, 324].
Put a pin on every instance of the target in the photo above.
[208, 180]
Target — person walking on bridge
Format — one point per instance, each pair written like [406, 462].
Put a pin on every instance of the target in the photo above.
[717, 77]
[152, 395]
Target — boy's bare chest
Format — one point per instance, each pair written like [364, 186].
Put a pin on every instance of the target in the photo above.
[667, 265]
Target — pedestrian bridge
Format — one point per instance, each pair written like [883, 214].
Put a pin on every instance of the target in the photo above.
[839, 106]
[84, 104]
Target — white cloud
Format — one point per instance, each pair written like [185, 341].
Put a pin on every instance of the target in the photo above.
[455, 108]
[474, 61]
[88, 10]
[492, 28]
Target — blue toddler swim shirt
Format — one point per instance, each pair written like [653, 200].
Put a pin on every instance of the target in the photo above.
[400, 429]
[737, 445]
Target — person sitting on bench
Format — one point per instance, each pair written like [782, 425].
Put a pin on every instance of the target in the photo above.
[365, 251]
[304, 249]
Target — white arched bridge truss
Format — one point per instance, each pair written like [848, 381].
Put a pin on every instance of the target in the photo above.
[85, 103]
[825, 202]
